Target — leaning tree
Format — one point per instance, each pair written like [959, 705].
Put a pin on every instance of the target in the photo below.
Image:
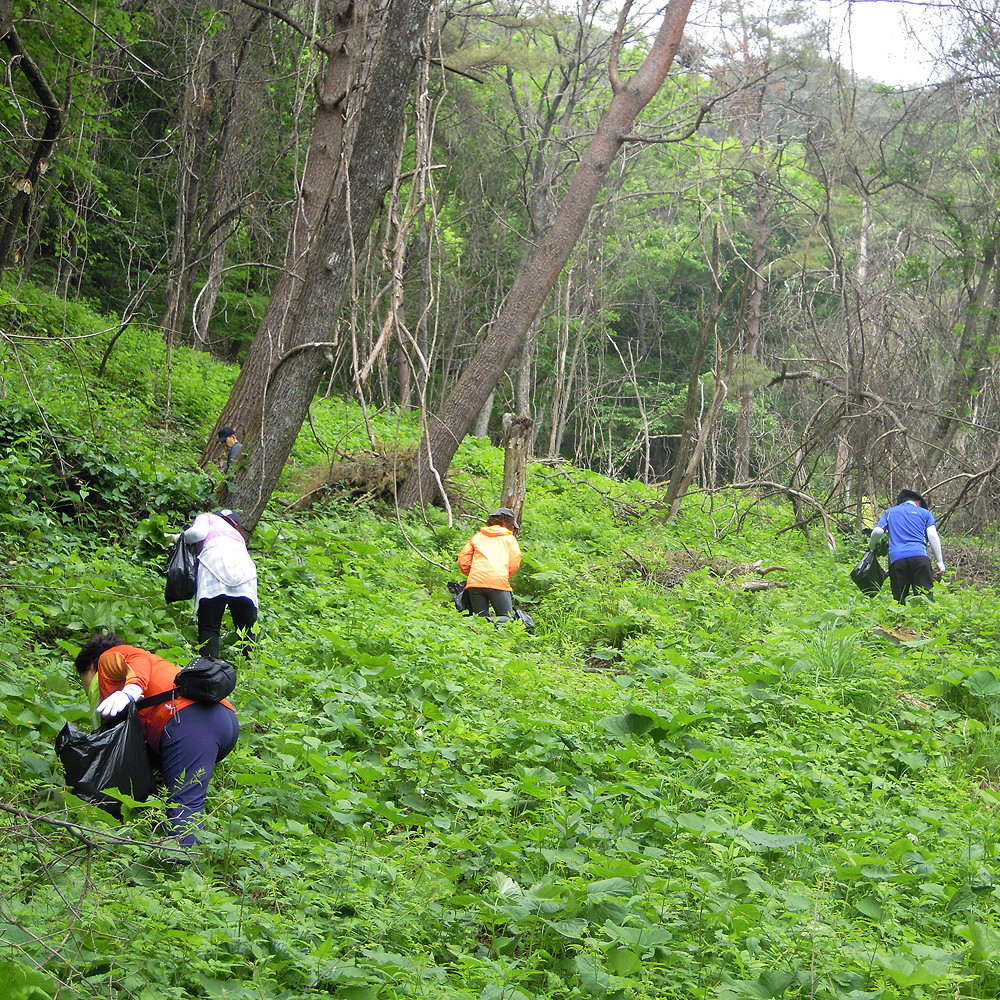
[445, 430]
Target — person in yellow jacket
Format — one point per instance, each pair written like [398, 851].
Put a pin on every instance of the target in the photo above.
[489, 559]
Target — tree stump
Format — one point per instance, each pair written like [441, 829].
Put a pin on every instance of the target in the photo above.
[516, 442]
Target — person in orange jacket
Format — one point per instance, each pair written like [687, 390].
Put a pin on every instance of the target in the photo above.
[489, 559]
[190, 738]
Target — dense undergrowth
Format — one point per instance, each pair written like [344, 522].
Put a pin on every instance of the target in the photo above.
[672, 789]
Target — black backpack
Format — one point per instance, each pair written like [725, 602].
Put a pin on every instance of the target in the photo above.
[202, 680]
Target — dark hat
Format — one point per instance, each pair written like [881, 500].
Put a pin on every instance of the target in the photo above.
[906, 495]
[225, 432]
[504, 513]
[231, 516]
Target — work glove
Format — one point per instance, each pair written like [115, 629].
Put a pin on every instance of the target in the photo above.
[118, 701]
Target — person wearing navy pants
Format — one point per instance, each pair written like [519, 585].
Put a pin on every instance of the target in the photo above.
[194, 741]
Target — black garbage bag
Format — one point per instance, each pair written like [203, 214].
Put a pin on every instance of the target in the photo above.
[525, 619]
[869, 575]
[112, 757]
[457, 588]
[182, 572]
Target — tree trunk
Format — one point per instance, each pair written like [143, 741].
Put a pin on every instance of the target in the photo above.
[689, 435]
[517, 444]
[425, 297]
[204, 303]
[719, 394]
[482, 427]
[755, 301]
[523, 383]
[242, 409]
[562, 380]
[222, 204]
[26, 186]
[210, 144]
[982, 318]
[369, 156]
[191, 154]
[562, 413]
[535, 281]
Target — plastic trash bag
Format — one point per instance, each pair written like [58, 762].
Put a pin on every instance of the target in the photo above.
[869, 575]
[457, 588]
[112, 757]
[182, 572]
[525, 619]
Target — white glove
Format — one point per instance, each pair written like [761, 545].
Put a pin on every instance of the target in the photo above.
[118, 701]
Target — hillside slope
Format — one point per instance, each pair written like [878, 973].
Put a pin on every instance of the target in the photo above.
[673, 788]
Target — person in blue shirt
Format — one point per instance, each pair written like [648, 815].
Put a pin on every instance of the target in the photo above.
[911, 528]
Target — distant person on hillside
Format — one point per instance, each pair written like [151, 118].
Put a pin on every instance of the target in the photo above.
[911, 529]
[489, 559]
[227, 436]
[190, 738]
[227, 577]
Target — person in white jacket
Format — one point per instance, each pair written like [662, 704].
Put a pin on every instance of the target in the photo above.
[227, 577]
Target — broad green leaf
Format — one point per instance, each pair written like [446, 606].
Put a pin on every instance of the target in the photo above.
[772, 841]
[593, 978]
[870, 907]
[627, 725]
[572, 927]
[905, 972]
[623, 961]
[774, 984]
[387, 959]
[984, 684]
[963, 899]
[22, 983]
[609, 887]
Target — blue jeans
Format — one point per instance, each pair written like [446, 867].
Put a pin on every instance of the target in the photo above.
[193, 742]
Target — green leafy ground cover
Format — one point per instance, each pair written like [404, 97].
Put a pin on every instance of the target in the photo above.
[673, 788]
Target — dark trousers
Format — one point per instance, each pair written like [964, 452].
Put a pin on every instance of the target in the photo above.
[911, 572]
[210, 612]
[194, 741]
[480, 599]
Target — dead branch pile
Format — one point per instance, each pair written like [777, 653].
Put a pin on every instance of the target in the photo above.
[757, 569]
[667, 569]
[672, 568]
[367, 476]
[973, 565]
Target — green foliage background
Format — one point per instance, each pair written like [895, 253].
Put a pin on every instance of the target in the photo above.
[673, 788]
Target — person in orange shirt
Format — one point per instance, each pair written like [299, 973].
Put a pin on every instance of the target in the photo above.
[190, 737]
[489, 559]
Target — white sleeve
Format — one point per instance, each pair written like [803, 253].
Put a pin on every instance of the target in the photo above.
[876, 534]
[198, 531]
[934, 540]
